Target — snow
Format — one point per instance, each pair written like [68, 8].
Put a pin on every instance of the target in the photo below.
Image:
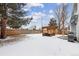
[38, 45]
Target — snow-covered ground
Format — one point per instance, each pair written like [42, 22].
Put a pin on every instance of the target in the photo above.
[38, 45]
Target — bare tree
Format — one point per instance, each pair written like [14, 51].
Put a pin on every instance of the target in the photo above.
[57, 15]
[64, 16]
[61, 14]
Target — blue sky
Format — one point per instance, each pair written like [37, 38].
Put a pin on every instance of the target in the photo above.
[42, 12]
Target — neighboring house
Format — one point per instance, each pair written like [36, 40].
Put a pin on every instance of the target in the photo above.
[77, 27]
[74, 22]
[49, 30]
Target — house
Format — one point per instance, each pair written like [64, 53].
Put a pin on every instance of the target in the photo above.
[74, 21]
[77, 26]
[49, 30]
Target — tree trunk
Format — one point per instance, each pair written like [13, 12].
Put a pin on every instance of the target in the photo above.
[63, 25]
[3, 28]
[62, 18]
[3, 21]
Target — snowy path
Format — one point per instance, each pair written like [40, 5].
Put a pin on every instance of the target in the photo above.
[36, 45]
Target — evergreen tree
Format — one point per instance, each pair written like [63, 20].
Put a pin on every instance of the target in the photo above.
[11, 12]
[52, 22]
[15, 20]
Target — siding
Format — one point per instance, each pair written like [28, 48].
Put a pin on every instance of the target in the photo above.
[77, 27]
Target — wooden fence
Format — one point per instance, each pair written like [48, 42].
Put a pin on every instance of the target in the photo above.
[10, 32]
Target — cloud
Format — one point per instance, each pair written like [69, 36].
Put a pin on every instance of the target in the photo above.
[44, 11]
[50, 11]
[35, 5]
[38, 15]
[30, 5]
[58, 4]
[61, 4]
[50, 16]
